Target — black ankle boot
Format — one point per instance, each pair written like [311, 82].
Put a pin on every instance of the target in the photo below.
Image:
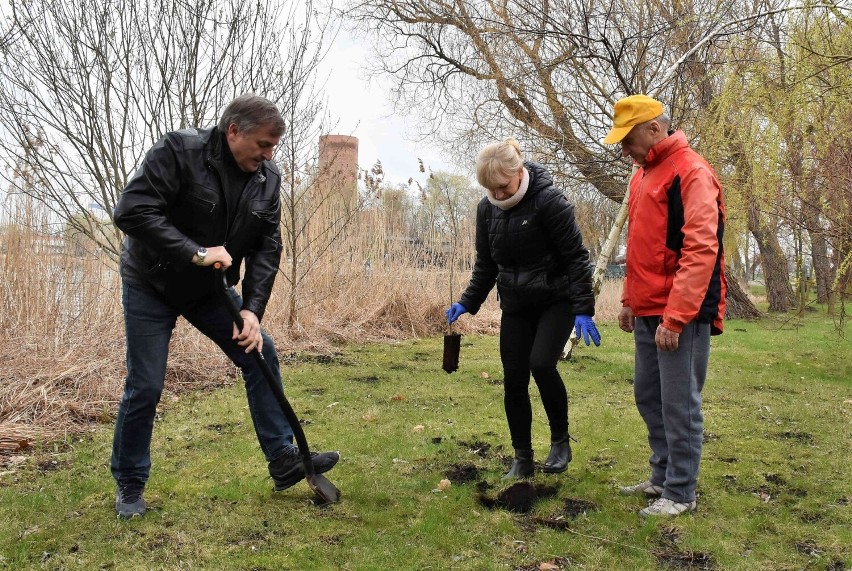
[560, 454]
[522, 467]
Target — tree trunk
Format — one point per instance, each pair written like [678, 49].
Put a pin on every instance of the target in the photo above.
[820, 261]
[842, 285]
[739, 305]
[779, 293]
[601, 263]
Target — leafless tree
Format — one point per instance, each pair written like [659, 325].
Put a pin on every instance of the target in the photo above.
[89, 85]
[312, 221]
[547, 73]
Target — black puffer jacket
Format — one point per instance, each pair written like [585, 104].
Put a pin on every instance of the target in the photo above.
[175, 203]
[533, 251]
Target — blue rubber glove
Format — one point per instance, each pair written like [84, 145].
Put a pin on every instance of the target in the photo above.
[455, 311]
[584, 325]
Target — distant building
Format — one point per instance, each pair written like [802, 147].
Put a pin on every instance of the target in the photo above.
[337, 176]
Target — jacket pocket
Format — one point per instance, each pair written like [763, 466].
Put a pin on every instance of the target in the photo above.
[206, 198]
[265, 210]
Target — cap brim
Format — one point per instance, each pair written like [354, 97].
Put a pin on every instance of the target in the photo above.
[616, 134]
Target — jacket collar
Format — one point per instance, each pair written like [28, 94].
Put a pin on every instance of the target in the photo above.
[666, 147]
[515, 198]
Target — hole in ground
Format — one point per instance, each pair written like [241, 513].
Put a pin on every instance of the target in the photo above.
[519, 497]
[481, 449]
[573, 508]
[685, 560]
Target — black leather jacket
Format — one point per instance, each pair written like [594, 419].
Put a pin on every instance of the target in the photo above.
[533, 251]
[175, 203]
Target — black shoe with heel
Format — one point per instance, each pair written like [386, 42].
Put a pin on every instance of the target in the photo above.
[523, 465]
[560, 454]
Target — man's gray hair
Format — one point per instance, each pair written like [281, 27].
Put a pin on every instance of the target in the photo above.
[249, 111]
[664, 119]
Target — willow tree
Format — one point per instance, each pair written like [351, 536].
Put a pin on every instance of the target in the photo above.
[824, 46]
[750, 179]
[770, 130]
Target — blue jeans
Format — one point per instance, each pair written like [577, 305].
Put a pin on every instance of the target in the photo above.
[667, 386]
[149, 321]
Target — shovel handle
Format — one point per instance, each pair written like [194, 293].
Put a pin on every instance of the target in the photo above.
[298, 433]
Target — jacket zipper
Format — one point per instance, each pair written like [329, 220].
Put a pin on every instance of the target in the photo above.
[506, 237]
[224, 190]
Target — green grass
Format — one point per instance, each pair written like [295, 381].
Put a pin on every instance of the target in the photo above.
[774, 486]
[757, 289]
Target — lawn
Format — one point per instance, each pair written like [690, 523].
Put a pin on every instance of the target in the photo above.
[774, 490]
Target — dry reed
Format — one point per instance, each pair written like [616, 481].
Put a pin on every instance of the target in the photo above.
[62, 337]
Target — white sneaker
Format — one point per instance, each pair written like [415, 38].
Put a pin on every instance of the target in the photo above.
[667, 508]
[643, 488]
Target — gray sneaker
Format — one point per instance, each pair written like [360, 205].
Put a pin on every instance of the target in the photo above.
[129, 501]
[667, 508]
[645, 488]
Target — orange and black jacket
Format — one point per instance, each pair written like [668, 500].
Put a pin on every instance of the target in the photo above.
[675, 261]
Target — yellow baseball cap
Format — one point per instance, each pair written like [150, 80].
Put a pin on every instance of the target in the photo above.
[629, 112]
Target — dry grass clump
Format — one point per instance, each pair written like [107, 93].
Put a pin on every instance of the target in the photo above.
[49, 390]
[44, 395]
[608, 301]
[62, 341]
[388, 304]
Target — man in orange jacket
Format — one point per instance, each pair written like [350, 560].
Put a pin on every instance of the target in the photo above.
[674, 294]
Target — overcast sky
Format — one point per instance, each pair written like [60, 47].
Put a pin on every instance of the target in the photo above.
[364, 111]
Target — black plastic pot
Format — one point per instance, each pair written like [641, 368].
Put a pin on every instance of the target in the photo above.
[452, 348]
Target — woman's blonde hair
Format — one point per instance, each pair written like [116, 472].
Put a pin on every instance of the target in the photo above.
[498, 161]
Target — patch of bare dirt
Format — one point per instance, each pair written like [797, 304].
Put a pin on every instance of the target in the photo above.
[478, 447]
[462, 473]
[798, 436]
[573, 508]
[808, 547]
[519, 497]
[50, 465]
[670, 556]
[671, 559]
[555, 564]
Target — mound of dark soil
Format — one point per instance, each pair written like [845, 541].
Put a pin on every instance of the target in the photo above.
[461, 473]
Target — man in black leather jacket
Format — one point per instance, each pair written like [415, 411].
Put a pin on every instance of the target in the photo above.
[202, 196]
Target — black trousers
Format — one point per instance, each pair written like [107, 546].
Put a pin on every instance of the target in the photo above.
[531, 341]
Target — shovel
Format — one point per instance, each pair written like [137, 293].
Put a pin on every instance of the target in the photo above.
[319, 484]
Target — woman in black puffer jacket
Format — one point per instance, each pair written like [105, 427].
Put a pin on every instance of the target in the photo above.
[528, 243]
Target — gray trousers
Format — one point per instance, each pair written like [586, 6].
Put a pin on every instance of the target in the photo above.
[667, 386]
